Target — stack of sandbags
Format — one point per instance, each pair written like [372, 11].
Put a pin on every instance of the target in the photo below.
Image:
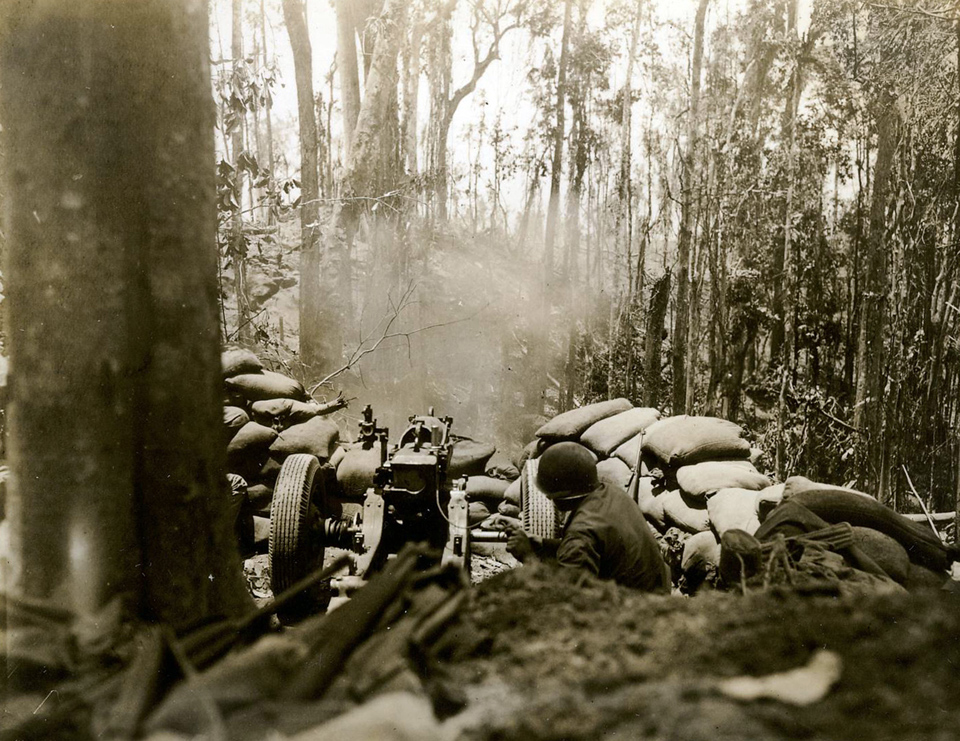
[693, 458]
[490, 476]
[672, 468]
[689, 462]
[268, 416]
[610, 429]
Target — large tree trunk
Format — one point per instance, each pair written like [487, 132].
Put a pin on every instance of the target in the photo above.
[868, 410]
[115, 418]
[556, 168]
[320, 344]
[681, 402]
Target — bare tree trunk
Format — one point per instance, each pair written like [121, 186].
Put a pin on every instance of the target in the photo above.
[681, 403]
[349, 73]
[268, 113]
[624, 223]
[956, 236]
[411, 89]
[236, 227]
[115, 435]
[653, 340]
[868, 411]
[788, 300]
[361, 170]
[553, 205]
[319, 331]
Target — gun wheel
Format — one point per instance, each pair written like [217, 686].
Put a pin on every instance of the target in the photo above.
[296, 539]
[540, 515]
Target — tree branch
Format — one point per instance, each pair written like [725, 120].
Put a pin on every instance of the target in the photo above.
[361, 351]
[939, 14]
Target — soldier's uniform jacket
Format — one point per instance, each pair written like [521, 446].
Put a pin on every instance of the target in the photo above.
[608, 536]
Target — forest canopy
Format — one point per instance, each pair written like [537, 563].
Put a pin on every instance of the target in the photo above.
[504, 208]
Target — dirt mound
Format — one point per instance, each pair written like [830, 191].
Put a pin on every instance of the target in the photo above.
[588, 659]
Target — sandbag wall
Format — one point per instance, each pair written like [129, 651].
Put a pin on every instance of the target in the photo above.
[267, 417]
[694, 479]
[699, 481]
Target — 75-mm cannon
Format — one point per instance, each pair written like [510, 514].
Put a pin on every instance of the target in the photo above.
[413, 499]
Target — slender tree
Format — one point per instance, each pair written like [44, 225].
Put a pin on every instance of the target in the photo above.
[320, 344]
[557, 139]
[682, 402]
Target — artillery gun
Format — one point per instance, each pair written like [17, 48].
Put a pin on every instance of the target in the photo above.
[412, 499]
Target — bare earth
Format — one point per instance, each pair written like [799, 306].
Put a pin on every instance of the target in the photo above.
[590, 660]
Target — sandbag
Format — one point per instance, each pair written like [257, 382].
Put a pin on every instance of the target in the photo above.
[265, 385]
[571, 425]
[684, 440]
[233, 419]
[501, 467]
[468, 458]
[733, 509]
[269, 472]
[689, 516]
[919, 577]
[250, 438]
[249, 450]
[486, 489]
[799, 484]
[701, 552]
[283, 413]
[887, 552]
[652, 506]
[703, 479]
[477, 512]
[629, 450]
[508, 510]
[356, 470]
[614, 471]
[259, 497]
[834, 505]
[513, 492]
[768, 499]
[238, 360]
[608, 434]
[336, 457]
[317, 436]
[533, 449]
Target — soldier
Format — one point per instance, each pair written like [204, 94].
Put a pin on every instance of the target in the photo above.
[605, 533]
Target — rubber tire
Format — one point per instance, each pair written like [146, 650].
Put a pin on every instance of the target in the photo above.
[540, 515]
[296, 546]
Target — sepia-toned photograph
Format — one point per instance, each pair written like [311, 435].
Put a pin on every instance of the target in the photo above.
[479, 370]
